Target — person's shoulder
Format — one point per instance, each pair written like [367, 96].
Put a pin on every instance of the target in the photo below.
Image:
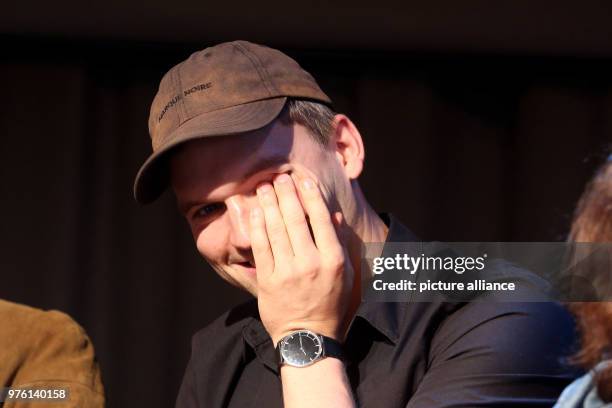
[227, 328]
[18, 313]
[31, 325]
[469, 315]
[543, 315]
[533, 331]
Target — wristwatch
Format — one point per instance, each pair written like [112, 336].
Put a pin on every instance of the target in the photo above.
[304, 347]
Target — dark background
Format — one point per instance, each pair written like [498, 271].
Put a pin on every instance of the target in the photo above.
[482, 121]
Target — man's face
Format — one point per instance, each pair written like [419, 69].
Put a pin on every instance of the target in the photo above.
[215, 179]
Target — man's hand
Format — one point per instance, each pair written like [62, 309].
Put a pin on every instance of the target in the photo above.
[301, 283]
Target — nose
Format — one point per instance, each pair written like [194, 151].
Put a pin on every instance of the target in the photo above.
[238, 209]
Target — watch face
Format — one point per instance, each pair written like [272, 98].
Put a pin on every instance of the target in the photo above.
[301, 348]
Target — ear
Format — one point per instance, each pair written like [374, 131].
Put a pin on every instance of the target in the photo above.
[348, 146]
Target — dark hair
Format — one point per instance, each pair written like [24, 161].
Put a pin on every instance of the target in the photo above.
[593, 223]
[317, 117]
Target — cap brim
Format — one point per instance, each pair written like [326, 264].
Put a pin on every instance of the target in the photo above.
[153, 177]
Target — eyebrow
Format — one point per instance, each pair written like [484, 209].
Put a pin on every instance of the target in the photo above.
[255, 168]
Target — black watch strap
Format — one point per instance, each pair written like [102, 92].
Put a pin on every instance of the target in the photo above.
[332, 348]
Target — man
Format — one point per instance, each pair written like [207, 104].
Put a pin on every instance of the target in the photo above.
[47, 350]
[265, 174]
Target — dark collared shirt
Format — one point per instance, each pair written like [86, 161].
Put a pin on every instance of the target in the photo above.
[435, 354]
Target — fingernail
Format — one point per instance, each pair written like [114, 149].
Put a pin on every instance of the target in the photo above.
[264, 188]
[307, 184]
[282, 178]
[255, 213]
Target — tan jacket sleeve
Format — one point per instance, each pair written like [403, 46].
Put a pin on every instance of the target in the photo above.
[41, 349]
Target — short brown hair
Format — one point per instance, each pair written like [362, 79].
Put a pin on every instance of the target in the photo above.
[317, 117]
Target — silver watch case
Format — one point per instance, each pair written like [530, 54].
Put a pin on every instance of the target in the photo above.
[301, 349]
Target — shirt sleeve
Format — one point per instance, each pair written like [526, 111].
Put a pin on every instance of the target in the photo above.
[500, 354]
[57, 353]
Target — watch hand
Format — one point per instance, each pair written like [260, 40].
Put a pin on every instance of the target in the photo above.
[302, 346]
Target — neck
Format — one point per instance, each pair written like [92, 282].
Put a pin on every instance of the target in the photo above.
[365, 226]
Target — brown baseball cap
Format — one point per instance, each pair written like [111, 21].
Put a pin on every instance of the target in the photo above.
[230, 88]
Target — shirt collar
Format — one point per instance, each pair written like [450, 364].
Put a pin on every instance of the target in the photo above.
[385, 317]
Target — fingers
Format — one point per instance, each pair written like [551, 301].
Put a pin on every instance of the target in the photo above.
[275, 225]
[264, 261]
[320, 219]
[293, 215]
[284, 223]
